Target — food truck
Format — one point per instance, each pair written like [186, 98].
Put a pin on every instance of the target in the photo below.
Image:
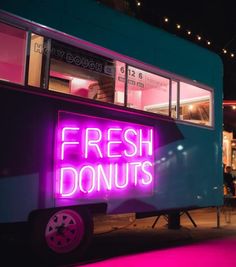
[102, 113]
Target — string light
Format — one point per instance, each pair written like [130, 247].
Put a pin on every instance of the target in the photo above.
[166, 19]
[199, 38]
[193, 36]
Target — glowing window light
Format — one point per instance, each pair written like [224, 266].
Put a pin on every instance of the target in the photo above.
[190, 107]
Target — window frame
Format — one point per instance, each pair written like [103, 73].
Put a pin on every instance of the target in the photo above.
[154, 73]
[211, 103]
[52, 34]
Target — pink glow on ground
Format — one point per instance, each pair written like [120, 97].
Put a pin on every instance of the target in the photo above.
[211, 254]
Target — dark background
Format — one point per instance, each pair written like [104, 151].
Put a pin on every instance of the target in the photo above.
[214, 21]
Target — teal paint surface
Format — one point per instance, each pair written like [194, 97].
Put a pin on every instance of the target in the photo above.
[100, 25]
[18, 196]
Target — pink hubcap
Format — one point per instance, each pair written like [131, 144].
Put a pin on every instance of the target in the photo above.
[64, 231]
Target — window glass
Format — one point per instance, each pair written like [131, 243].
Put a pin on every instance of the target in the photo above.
[12, 53]
[38, 61]
[234, 158]
[174, 96]
[120, 83]
[195, 104]
[147, 91]
[81, 73]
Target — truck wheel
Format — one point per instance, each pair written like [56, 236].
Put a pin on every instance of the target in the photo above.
[61, 235]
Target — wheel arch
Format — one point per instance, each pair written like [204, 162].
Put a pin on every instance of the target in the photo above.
[94, 208]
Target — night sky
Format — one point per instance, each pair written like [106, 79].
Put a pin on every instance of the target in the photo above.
[212, 20]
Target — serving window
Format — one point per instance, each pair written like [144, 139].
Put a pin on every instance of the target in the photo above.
[120, 83]
[148, 91]
[195, 104]
[12, 53]
[80, 73]
[153, 93]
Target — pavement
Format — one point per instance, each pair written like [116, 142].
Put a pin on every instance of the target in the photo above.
[123, 241]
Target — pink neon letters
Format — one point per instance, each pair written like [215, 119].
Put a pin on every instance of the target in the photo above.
[103, 158]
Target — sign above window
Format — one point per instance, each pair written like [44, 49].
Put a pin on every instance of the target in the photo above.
[81, 58]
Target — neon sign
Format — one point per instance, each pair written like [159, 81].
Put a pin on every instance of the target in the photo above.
[101, 158]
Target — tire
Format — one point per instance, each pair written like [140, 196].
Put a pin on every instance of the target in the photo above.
[61, 235]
